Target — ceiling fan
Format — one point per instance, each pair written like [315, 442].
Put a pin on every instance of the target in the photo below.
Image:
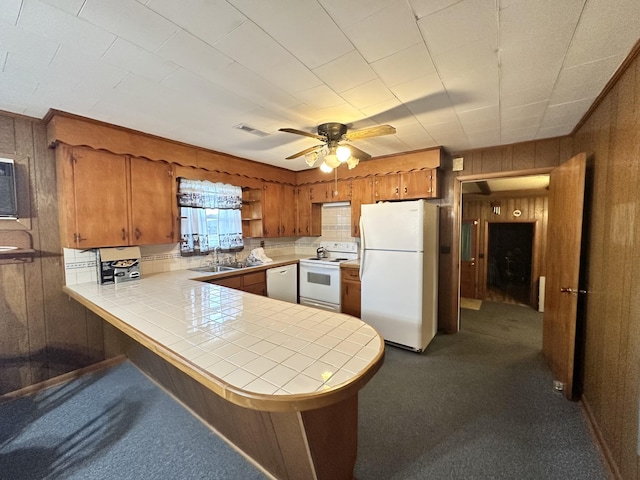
[333, 150]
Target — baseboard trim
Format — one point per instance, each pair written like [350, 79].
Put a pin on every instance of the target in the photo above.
[613, 471]
[60, 379]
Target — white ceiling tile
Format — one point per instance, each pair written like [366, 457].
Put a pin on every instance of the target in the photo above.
[565, 113]
[29, 47]
[353, 11]
[557, 131]
[341, 113]
[405, 65]
[460, 24]
[389, 112]
[534, 19]
[532, 113]
[401, 32]
[194, 87]
[422, 8]
[194, 55]
[267, 58]
[346, 72]
[367, 94]
[247, 84]
[436, 115]
[511, 99]
[421, 88]
[303, 25]
[9, 11]
[135, 59]
[515, 135]
[487, 115]
[595, 37]
[61, 27]
[479, 56]
[70, 6]
[129, 20]
[209, 20]
[70, 62]
[584, 80]
[320, 97]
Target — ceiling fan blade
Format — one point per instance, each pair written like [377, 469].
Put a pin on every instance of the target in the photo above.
[301, 132]
[359, 154]
[370, 132]
[304, 152]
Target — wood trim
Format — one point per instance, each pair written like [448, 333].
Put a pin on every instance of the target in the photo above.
[60, 379]
[238, 396]
[599, 438]
[504, 174]
[74, 130]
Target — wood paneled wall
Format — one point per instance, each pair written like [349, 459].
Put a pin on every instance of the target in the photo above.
[611, 373]
[534, 210]
[42, 333]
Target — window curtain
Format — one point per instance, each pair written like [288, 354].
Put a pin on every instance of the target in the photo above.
[210, 217]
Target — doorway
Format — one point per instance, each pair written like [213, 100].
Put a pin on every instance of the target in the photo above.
[509, 262]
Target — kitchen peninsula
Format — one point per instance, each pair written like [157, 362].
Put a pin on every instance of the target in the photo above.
[279, 381]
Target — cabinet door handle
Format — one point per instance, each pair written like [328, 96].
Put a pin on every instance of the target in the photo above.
[138, 233]
[307, 228]
[346, 291]
[77, 237]
[124, 234]
[396, 190]
[405, 189]
[170, 235]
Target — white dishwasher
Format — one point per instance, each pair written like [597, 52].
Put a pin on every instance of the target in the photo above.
[282, 283]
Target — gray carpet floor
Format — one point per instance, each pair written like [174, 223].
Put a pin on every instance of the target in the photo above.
[476, 405]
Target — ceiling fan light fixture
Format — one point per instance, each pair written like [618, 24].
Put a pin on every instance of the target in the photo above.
[325, 168]
[343, 153]
[332, 160]
[311, 158]
[352, 162]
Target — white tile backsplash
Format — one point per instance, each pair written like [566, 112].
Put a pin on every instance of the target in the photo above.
[80, 265]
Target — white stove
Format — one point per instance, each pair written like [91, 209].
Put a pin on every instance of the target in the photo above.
[320, 276]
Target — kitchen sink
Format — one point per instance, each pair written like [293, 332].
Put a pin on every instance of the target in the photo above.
[215, 268]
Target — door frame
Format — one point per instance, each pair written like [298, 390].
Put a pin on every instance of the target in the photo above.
[457, 222]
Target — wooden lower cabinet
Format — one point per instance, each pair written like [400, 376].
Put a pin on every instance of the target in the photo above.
[254, 282]
[351, 289]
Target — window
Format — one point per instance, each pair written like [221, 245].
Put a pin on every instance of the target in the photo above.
[210, 217]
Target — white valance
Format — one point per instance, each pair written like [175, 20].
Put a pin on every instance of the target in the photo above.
[205, 194]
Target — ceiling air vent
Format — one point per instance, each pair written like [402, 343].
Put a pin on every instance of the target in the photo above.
[251, 130]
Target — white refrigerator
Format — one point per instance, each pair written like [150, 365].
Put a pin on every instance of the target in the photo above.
[399, 271]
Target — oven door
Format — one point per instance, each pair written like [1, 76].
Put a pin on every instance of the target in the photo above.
[320, 282]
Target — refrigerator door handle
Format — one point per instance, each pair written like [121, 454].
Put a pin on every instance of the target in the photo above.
[362, 249]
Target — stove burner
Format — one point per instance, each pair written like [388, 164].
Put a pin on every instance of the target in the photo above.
[340, 260]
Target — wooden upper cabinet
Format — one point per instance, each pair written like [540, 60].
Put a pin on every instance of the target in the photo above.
[418, 184]
[405, 186]
[308, 214]
[271, 198]
[92, 192]
[278, 210]
[152, 201]
[320, 192]
[361, 193]
[288, 211]
[339, 191]
[109, 200]
[386, 187]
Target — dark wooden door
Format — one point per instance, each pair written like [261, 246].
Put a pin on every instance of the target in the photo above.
[468, 259]
[566, 199]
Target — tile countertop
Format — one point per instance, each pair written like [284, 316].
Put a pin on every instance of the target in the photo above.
[255, 351]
